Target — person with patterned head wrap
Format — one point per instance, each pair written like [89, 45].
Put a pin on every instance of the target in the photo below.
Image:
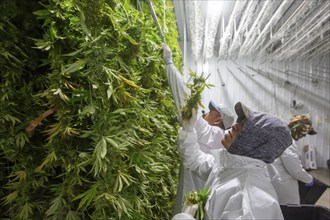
[300, 126]
[237, 177]
[286, 170]
[263, 136]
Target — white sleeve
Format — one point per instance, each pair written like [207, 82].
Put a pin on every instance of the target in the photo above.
[293, 165]
[178, 86]
[208, 135]
[192, 157]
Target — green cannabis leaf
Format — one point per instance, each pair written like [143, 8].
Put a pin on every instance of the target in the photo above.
[194, 100]
[108, 150]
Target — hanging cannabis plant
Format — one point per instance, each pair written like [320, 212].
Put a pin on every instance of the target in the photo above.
[87, 126]
[194, 100]
[198, 198]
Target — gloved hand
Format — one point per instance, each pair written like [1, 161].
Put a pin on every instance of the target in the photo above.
[310, 184]
[189, 124]
[183, 216]
[190, 209]
[167, 54]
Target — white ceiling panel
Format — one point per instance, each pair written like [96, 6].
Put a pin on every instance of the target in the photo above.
[270, 29]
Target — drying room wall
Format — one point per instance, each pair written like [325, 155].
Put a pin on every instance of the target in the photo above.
[281, 88]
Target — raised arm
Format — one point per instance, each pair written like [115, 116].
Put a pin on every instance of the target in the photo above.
[209, 137]
[193, 158]
[293, 165]
[175, 79]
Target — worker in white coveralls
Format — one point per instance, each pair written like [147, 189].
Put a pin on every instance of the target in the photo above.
[209, 128]
[286, 170]
[237, 174]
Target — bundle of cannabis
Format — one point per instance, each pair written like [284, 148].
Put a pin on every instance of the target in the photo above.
[195, 97]
[200, 199]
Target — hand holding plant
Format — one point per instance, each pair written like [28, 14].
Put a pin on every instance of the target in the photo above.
[200, 199]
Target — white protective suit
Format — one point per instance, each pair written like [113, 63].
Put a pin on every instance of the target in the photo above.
[239, 186]
[284, 173]
[209, 137]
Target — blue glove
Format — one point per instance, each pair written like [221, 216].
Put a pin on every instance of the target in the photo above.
[310, 184]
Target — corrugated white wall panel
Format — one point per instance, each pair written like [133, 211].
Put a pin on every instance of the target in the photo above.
[271, 87]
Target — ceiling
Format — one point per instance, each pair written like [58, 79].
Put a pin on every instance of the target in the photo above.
[278, 30]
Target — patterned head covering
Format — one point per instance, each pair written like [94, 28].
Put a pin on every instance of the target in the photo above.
[300, 125]
[263, 136]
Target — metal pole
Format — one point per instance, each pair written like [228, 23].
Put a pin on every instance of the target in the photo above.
[154, 16]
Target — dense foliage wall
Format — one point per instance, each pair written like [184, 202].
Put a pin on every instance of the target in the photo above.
[87, 122]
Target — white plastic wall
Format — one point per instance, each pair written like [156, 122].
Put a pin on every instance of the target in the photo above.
[271, 87]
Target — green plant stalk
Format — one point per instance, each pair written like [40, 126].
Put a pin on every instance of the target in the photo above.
[198, 198]
[194, 100]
